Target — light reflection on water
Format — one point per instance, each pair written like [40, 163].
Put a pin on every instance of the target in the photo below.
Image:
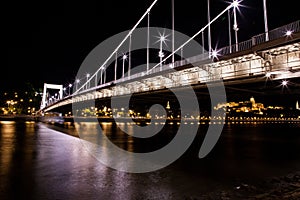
[42, 163]
[7, 139]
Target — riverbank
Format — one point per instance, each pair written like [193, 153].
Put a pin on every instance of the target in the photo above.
[276, 188]
[17, 118]
[147, 120]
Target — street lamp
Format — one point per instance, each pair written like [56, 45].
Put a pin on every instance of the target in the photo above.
[173, 31]
[123, 69]
[235, 26]
[229, 30]
[214, 53]
[102, 69]
[284, 83]
[70, 85]
[77, 82]
[162, 38]
[64, 89]
[116, 65]
[288, 33]
[209, 31]
[161, 54]
[87, 78]
[266, 21]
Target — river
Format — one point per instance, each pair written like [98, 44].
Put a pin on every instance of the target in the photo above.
[43, 161]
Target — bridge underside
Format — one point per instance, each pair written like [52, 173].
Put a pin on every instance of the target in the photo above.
[263, 89]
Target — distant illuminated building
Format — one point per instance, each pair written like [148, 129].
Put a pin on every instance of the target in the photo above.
[252, 100]
[242, 107]
[168, 105]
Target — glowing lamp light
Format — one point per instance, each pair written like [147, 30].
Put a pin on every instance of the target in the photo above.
[124, 57]
[268, 75]
[288, 33]
[162, 38]
[77, 81]
[235, 3]
[284, 83]
[70, 85]
[87, 75]
[214, 54]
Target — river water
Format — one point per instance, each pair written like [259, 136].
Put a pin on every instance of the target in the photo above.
[42, 161]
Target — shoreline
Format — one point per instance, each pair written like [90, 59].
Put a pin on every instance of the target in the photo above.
[228, 120]
[285, 187]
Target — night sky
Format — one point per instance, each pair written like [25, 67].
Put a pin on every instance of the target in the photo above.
[46, 41]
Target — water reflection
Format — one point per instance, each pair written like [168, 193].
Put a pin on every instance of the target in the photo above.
[18, 155]
[41, 163]
[7, 139]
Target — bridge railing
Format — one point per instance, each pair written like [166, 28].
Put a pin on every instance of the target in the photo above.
[261, 38]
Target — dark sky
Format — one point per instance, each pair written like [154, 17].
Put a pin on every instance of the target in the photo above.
[46, 41]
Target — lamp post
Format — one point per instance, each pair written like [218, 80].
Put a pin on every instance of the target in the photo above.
[87, 78]
[116, 65]
[209, 32]
[129, 57]
[148, 40]
[70, 85]
[77, 82]
[64, 89]
[161, 53]
[102, 71]
[229, 31]
[173, 31]
[266, 21]
[235, 26]
[123, 69]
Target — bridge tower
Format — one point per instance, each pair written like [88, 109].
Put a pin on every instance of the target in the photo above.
[51, 86]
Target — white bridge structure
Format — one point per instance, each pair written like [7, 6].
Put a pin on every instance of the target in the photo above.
[45, 102]
[274, 54]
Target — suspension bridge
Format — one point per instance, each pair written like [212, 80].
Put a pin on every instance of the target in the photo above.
[271, 55]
